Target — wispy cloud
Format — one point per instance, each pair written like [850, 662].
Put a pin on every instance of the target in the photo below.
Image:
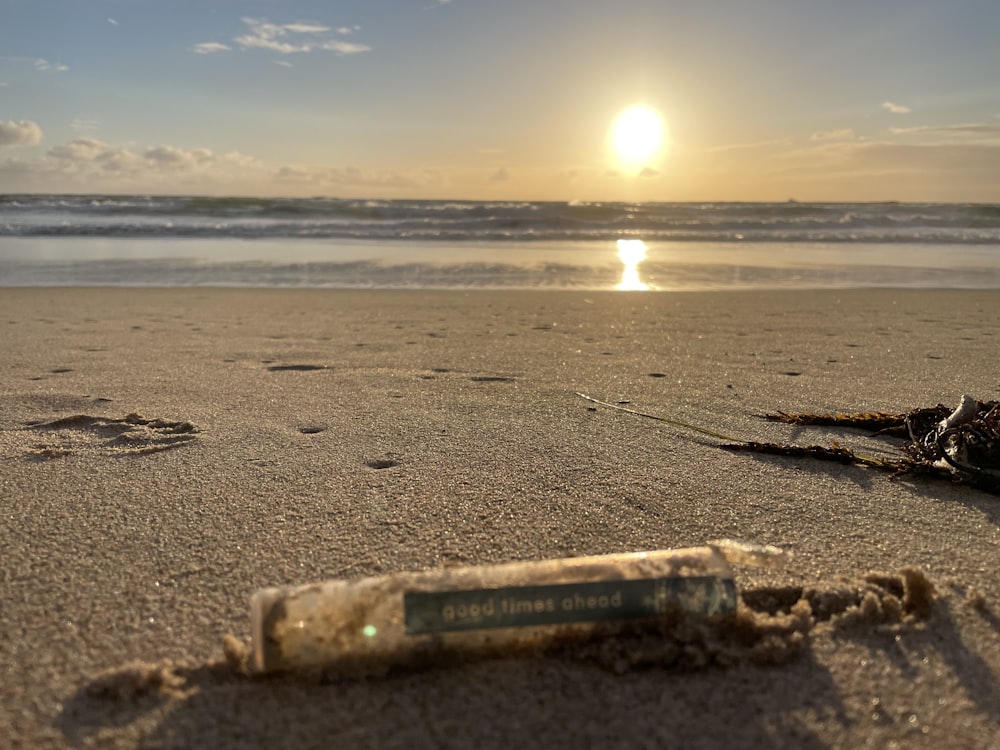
[927, 159]
[38, 63]
[343, 48]
[896, 109]
[113, 22]
[208, 48]
[754, 146]
[295, 38]
[892, 170]
[20, 133]
[349, 177]
[974, 130]
[306, 28]
[843, 134]
[41, 64]
[81, 124]
[501, 175]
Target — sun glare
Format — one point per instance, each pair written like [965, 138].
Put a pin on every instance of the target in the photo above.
[631, 253]
[636, 135]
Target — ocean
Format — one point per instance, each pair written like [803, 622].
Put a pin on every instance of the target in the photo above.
[88, 240]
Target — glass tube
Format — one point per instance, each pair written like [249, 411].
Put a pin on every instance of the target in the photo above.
[369, 624]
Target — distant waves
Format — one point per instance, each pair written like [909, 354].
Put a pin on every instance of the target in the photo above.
[494, 222]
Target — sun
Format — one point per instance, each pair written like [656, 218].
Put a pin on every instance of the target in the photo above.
[636, 135]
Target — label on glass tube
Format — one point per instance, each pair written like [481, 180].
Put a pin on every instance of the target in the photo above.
[526, 606]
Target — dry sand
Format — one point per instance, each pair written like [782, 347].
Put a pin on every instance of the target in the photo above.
[164, 453]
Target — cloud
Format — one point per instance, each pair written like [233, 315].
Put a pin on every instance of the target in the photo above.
[294, 38]
[79, 149]
[968, 130]
[89, 156]
[20, 133]
[349, 177]
[896, 109]
[86, 157]
[753, 146]
[208, 48]
[81, 152]
[239, 159]
[18, 168]
[344, 48]
[944, 162]
[80, 124]
[648, 172]
[112, 21]
[38, 63]
[91, 164]
[178, 158]
[844, 134]
[953, 159]
[120, 161]
[41, 64]
[172, 157]
[501, 175]
[904, 171]
[94, 165]
[305, 28]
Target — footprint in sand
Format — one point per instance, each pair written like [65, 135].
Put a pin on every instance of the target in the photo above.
[132, 435]
[296, 368]
[491, 379]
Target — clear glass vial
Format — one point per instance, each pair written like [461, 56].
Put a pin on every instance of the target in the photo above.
[372, 623]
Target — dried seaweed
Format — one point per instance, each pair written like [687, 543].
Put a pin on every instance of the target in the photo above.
[878, 422]
[960, 444]
[834, 453]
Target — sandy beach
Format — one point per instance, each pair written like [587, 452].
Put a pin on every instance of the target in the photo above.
[166, 452]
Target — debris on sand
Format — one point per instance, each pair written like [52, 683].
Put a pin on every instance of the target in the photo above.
[961, 444]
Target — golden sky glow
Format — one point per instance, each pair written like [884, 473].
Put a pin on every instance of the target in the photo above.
[503, 100]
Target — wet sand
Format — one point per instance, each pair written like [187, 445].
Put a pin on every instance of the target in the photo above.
[164, 453]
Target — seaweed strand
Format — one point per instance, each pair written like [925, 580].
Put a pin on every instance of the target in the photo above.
[836, 453]
[961, 444]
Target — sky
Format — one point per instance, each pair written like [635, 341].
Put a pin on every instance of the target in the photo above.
[813, 100]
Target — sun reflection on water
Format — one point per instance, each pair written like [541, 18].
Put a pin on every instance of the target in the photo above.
[631, 253]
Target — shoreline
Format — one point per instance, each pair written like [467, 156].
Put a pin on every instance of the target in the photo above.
[593, 265]
[291, 436]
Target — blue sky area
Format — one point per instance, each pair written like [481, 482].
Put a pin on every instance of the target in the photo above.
[482, 99]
